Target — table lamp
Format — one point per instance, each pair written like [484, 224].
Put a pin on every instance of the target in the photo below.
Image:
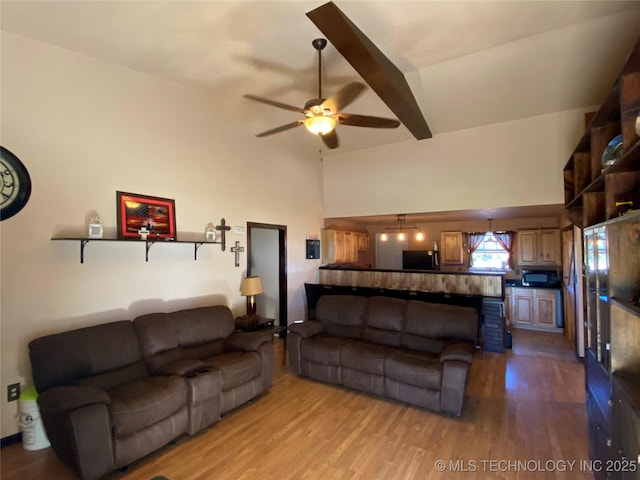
[250, 287]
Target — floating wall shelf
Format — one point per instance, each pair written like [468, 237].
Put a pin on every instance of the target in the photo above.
[196, 239]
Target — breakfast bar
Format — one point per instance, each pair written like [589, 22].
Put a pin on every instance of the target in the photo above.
[489, 285]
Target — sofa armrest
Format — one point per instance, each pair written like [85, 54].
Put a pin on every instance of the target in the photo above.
[78, 424]
[59, 400]
[184, 367]
[245, 341]
[308, 329]
[461, 352]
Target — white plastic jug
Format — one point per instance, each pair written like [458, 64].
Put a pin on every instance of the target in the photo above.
[34, 436]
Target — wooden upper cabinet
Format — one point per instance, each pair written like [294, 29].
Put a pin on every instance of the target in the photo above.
[549, 242]
[527, 247]
[342, 247]
[539, 247]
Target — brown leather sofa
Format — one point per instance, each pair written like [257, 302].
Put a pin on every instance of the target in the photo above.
[113, 393]
[415, 352]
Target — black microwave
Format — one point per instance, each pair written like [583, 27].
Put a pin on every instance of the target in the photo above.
[540, 278]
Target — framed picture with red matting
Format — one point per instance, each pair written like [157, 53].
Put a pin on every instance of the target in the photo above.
[136, 212]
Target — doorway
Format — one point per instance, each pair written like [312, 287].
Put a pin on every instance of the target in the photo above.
[267, 258]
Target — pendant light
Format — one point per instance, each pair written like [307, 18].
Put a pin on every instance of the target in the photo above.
[401, 228]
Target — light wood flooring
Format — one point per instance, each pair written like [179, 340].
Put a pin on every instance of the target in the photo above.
[525, 405]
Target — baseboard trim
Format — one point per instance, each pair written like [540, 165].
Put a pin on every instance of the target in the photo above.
[11, 440]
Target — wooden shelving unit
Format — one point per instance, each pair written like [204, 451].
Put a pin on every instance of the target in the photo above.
[592, 195]
[612, 260]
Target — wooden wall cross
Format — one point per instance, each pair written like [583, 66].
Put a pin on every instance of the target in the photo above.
[237, 249]
[223, 229]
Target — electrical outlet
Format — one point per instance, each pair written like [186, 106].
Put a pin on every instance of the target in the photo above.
[13, 392]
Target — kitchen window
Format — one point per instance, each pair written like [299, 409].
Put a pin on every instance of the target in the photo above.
[490, 255]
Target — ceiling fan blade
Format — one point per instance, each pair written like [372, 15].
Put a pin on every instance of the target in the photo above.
[344, 96]
[279, 129]
[330, 139]
[372, 65]
[367, 121]
[273, 103]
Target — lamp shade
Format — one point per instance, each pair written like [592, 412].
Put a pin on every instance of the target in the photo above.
[251, 286]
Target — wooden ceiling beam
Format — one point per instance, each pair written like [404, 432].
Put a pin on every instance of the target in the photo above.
[373, 66]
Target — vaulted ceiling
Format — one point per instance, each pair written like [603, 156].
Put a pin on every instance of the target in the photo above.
[468, 63]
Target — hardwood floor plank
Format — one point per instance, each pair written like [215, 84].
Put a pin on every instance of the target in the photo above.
[519, 407]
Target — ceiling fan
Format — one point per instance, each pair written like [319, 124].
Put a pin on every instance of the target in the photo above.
[322, 115]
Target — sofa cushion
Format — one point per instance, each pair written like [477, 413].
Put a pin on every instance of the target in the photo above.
[430, 326]
[137, 405]
[365, 356]
[342, 314]
[420, 369]
[203, 351]
[82, 353]
[236, 368]
[384, 321]
[157, 333]
[158, 339]
[202, 325]
[184, 367]
[107, 380]
[323, 350]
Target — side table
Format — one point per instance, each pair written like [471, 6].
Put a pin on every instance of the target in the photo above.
[266, 325]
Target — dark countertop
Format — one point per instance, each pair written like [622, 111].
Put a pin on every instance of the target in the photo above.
[517, 283]
[435, 272]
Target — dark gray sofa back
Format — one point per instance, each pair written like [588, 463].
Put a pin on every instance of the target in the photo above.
[396, 322]
[384, 321]
[101, 355]
[201, 331]
[158, 339]
[431, 326]
[192, 333]
[342, 314]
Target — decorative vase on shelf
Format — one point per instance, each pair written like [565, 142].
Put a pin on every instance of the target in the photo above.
[95, 228]
[210, 233]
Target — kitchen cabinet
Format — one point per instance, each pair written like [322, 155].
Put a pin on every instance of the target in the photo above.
[361, 241]
[545, 307]
[523, 306]
[508, 299]
[539, 247]
[340, 246]
[532, 308]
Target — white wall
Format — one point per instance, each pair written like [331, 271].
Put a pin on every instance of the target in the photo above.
[502, 165]
[85, 129]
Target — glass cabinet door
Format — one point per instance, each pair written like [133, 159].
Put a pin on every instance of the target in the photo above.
[602, 285]
[591, 292]
[597, 293]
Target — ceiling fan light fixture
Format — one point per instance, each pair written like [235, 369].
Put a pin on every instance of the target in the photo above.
[320, 124]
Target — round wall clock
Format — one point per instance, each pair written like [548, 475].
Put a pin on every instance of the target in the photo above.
[16, 184]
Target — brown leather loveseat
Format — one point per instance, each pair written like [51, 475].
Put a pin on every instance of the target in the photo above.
[415, 352]
[113, 393]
